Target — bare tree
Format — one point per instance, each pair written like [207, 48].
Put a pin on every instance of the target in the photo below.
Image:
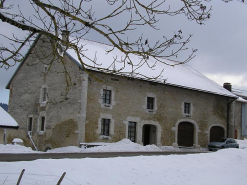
[79, 18]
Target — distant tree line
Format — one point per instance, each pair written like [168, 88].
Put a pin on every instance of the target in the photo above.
[4, 106]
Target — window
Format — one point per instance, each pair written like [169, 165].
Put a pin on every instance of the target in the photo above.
[132, 131]
[44, 94]
[106, 96]
[42, 124]
[105, 127]
[45, 68]
[186, 108]
[30, 124]
[150, 103]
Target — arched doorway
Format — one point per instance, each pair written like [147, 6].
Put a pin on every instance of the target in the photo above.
[216, 132]
[185, 134]
[149, 134]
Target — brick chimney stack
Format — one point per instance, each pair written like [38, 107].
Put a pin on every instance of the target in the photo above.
[65, 35]
[228, 86]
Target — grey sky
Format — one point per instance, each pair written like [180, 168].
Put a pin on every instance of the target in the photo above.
[221, 44]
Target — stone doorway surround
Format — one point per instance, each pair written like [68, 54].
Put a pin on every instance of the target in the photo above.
[139, 127]
[196, 131]
[149, 133]
[213, 125]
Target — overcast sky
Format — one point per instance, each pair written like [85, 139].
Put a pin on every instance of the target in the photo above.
[221, 44]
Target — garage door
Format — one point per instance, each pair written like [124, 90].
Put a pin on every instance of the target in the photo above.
[216, 133]
[185, 134]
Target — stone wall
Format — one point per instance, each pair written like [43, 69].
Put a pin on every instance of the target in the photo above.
[129, 103]
[78, 119]
[26, 99]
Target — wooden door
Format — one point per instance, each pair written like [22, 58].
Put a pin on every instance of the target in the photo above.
[216, 133]
[185, 134]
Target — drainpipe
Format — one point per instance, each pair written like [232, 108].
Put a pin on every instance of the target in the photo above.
[228, 116]
[228, 86]
[83, 107]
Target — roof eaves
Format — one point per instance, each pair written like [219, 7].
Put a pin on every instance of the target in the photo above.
[9, 127]
[240, 99]
[170, 84]
[200, 90]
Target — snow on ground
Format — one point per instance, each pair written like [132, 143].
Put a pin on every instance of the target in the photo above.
[9, 148]
[242, 143]
[224, 167]
[124, 145]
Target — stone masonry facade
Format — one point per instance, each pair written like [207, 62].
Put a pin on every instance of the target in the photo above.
[37, 91]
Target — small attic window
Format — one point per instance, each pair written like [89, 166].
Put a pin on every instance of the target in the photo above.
[187, 108]
[43, 95]
[45, 69]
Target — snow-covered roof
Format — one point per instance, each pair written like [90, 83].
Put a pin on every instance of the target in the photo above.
[175, 75]
[6, 120]
[239, 92]
[240, 99]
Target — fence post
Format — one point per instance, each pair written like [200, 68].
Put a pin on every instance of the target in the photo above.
[4, 136]
[19, 180]
[61, 178]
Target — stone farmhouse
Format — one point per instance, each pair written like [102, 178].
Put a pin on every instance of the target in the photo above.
[179, 108]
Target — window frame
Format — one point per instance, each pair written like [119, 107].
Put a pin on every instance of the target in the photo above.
[187, 108]
[104, 122]
[45, 69]
[103, 95]
[107, 96]
[30, 124]
[44, 94]
[42, 123]
[132, 133]
[150, 103]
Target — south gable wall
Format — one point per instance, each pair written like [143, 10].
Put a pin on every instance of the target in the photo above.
[25, 92]
[207, 109]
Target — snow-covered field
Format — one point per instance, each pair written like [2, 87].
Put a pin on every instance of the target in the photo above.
[226, 167]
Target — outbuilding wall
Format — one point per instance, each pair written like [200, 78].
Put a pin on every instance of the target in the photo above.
[238, 121]
[1, 136]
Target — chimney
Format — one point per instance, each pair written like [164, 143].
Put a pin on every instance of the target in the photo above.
[65, 35]
[228, 86]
